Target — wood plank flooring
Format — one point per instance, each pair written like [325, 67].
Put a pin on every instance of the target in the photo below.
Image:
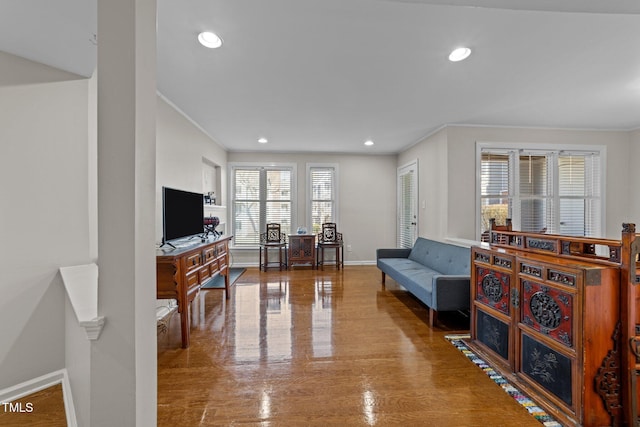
[307, 348]
[44, 408]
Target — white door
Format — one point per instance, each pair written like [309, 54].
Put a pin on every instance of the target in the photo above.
[407, 204]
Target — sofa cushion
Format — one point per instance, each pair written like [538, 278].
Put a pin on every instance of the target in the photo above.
[441, 257]
[413, 276]
[406, 267]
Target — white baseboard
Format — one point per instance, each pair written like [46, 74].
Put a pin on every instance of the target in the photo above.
[35, 385]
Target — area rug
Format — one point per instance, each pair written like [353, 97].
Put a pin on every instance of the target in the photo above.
[521, 398]
[218, 281]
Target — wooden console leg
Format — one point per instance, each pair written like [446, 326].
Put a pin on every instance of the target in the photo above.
[226, 284]
[184, 324]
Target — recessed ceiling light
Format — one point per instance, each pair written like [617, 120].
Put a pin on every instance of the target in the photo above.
[368, 143]
[263, 140]
[210, 40]
[459, 54]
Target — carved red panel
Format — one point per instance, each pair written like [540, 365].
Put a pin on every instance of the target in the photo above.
[493, 288]
[548, 310]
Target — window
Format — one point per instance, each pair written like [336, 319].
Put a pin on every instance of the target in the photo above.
[322, 199]
[260, 195]
[553, 191]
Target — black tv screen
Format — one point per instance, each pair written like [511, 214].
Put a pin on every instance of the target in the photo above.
[182, 213]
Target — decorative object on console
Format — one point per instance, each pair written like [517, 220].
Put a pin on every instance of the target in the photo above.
[301, 230]
[210, 198]
[210, 225]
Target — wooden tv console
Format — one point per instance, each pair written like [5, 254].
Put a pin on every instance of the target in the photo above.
[557, 315]
[181, 271]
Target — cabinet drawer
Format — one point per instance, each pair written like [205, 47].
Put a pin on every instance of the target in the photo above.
[192, 279]
[224, 270]
[222, 261]
[214, 267]
[203, 274]
[193, 261]
[221, 248]
[209, 254]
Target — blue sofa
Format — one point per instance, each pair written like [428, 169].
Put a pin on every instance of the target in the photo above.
[436, 273]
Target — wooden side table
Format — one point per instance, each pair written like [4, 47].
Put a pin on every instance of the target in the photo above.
[302, 249]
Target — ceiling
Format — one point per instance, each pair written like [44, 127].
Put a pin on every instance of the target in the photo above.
[326, 75]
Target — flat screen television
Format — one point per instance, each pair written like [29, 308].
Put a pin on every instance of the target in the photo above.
[182, 214]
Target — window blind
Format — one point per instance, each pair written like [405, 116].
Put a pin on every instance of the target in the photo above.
[278, 199]
[534, 192]
[555, 192]
[495, 189]
[260, 196]
[322, 181]
[407, 220]
[246, 207]
[578, 194]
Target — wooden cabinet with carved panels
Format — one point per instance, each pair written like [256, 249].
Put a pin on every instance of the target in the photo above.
[548, 324]
[492, 289]
[302, 249]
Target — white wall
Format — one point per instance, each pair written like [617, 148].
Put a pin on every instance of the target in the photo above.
[433, 183]
[180, 149]
[48, 212]
[367, 194]
[457, 202]
[44, 211]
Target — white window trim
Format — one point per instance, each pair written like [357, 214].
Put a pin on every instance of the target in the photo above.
[232, 166]
[336, 192]
[507, 147]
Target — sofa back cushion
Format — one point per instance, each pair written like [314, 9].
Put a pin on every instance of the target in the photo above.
[442, 257]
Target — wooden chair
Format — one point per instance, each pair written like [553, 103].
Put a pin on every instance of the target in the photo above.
[330, 238]
[273, 238]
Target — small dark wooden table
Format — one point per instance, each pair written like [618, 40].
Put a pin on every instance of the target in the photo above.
[302, 249]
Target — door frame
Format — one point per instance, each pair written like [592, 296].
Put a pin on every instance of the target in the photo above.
[407, 168]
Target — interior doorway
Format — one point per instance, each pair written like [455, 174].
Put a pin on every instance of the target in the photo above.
[407, 204]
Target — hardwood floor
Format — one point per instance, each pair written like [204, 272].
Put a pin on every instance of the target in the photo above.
[44, 408]
[306, 348]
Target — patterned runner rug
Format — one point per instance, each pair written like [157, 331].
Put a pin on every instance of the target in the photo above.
[521, 398]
